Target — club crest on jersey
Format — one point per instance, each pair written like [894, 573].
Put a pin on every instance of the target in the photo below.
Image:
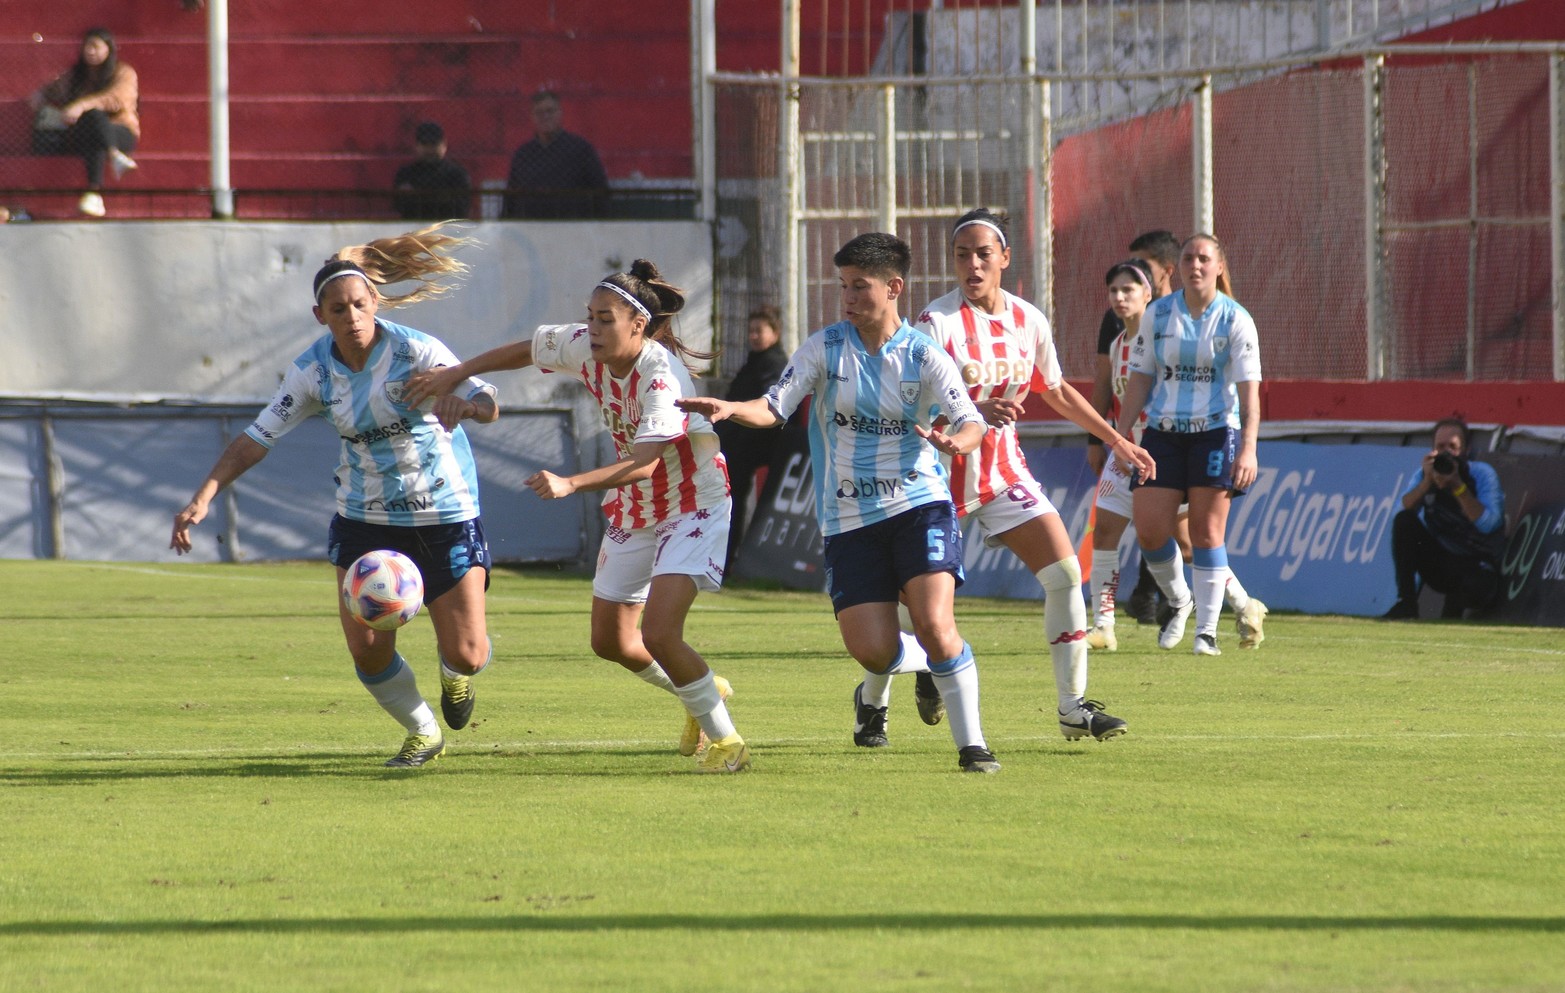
[396, 390]
[908, 391]
[1220, 344]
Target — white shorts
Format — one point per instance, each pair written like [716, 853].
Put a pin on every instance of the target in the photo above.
[1114, 488]
[1012, 507]
[693, 544]
[1114, 491]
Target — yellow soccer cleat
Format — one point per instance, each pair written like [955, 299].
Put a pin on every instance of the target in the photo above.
[728, 754]
[1249, 621]
[692, 738]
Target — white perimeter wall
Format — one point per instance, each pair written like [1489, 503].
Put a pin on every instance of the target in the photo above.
[215, 310]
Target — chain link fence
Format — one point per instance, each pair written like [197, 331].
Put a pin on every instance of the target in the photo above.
[1387, 215]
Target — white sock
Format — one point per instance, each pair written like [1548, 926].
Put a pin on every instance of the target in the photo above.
[1064, 618]
[877, 685]
[957, 680]
[703, 702]
[1105, 586]
[396, 690]
[1169, 571]
[1234, 592]
[655, 675]
[450, 673]
[1209, 572]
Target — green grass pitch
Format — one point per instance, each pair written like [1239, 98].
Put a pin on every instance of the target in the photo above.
[192, 798]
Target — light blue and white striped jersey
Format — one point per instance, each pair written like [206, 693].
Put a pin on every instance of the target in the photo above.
[1194, 364]
[868, 463]
[398, 465]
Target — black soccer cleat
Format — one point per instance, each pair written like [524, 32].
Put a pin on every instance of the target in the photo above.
[931, 708]
[456, 701]
[418, 749]
[976, 758]
[869, 723]
[1089, 721]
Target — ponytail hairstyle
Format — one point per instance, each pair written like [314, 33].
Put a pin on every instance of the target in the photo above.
[1225, 285]
[661, 300]
[422, 256]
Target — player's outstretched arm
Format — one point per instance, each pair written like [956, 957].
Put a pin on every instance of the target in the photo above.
[241, 454]
[444, 379]
[755, 413]
[1068, 402]
[963, 440]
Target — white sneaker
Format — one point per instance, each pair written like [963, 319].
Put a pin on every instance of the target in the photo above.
[91, 204]
[1173, 624]
[120, 163]
[1101, 638]
[1205, 644]
[1249, 622]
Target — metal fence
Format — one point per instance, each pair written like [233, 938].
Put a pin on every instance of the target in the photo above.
[1388, 213]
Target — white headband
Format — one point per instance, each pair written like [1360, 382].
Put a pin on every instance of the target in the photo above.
[988, 224]
[629, 299]
[337, 275]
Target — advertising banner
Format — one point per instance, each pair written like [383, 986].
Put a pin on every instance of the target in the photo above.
[1312, 534]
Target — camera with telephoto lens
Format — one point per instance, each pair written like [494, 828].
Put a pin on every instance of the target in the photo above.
[1445, 463]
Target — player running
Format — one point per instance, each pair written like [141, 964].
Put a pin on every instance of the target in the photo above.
[406, 479]
[880, 491]
[665, 496]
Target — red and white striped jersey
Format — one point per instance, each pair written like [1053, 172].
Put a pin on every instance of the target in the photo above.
[1119, 378]
[692, 474]
[1008, 355]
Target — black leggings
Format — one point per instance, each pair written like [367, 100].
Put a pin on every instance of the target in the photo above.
[91, 137]
[1420, 559]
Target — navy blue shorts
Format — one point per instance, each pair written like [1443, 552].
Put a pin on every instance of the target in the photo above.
[443, 552]
[1185, 461]
[871, 564]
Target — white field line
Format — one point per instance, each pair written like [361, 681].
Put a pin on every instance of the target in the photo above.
[562, 745]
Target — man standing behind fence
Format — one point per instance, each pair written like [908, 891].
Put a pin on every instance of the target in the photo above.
[557, 174]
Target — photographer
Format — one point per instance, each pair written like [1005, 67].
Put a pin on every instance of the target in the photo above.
[1451, 531]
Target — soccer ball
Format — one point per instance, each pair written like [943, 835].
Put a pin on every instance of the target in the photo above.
[383, 590]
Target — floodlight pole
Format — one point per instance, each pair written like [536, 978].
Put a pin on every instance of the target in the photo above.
[217, 104]
[789, 167]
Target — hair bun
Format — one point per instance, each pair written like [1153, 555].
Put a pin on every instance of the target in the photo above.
[644, 270]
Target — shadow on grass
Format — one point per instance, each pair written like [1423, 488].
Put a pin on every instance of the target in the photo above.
[826, 923]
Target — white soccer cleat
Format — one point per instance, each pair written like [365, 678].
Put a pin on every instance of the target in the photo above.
[1101, 639]
[91, 204]
[1172, 620]
[1205, 644]
[1249, 622]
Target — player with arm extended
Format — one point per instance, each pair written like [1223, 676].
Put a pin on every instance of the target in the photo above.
[880, 490]
[406, 479]
[1195, 369]
[665, 496]
[1004, 349]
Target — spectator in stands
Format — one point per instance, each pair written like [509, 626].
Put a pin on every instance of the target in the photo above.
[748, 451]
[557, 174]
[432, 187]
[1451, 531]
[90, 110]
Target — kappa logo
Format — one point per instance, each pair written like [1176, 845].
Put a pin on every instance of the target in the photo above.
[658, 384]
[1069, 637]
[578, 332]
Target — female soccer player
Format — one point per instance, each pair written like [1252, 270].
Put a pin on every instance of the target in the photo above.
[880, 491]
[406, 479]
[1131, 287]
[1005, 351]
[666, 496]
[1195, 368]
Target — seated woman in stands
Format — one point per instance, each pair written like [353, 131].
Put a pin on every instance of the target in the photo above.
[90, 110]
